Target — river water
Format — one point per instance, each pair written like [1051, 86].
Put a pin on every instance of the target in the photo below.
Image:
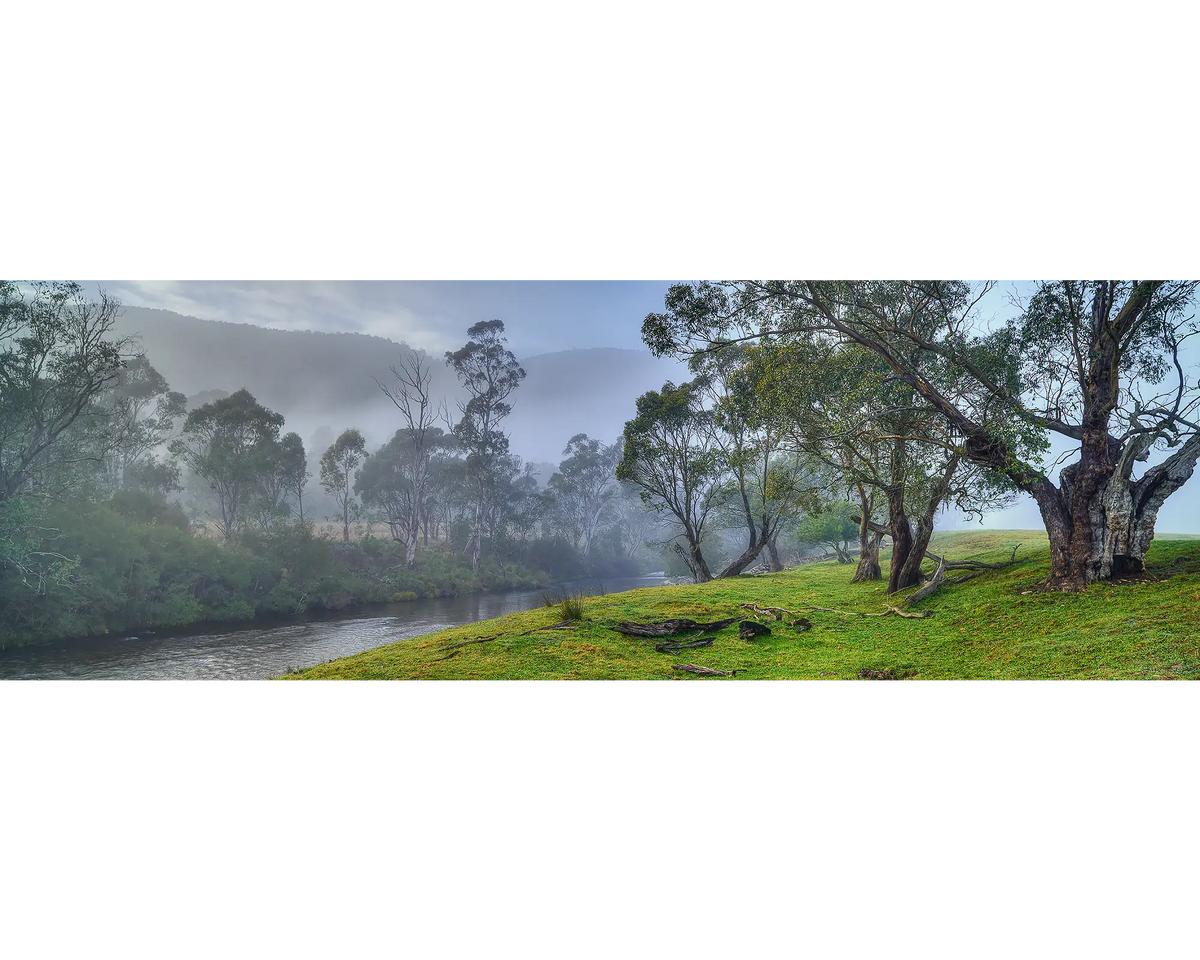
[268, 649]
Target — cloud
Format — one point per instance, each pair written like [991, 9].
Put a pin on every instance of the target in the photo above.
[375, 309]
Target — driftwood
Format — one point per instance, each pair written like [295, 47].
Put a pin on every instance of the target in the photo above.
[703, 671]
[938, 579]
[799, 622]
[667, 628]
[931, 585]
[671, 647]
[748, 630]
[918, 615]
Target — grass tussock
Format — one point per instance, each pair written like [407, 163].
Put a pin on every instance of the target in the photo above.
[996, 626]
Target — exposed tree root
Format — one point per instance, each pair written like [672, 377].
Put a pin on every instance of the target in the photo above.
[703, 671]
[917, 615]
[676, 647]
[467, 643]
[561, 625]
[799, 622]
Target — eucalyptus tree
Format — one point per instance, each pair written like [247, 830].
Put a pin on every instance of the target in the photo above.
[490, 373]
[671, 456]
[404, 499]
[283, 472]
[767, 484]
[1095, 362]
[58, 358]
[873, 439]
[144, 412]
[293, 469]
[831, 524]
[633, 519]
[226, 443]
[584, 488]
[399, 481]
[338, 465]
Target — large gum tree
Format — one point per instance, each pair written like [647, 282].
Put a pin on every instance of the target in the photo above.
[1097, 362]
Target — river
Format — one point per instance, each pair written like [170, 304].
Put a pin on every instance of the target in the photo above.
[269, 648]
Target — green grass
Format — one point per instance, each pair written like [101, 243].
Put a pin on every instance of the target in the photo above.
[994, 627]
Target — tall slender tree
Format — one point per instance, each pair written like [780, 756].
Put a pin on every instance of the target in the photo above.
[338, 465]
[418, 437]
[490, 373]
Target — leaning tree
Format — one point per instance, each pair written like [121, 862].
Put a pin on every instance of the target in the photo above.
[1097, 362]
[839, 406]
[670, 455]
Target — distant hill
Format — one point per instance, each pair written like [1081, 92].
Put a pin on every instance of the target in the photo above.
[325, 379]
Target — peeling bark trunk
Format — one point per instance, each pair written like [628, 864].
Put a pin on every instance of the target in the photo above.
[1123, 513]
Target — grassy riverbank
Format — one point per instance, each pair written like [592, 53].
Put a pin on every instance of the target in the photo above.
[994, 627]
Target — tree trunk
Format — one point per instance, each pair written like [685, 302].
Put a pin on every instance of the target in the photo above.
[773, 550]
[736, 566]
[900, 576]
[695, 561]
[868, 557]
[1118, 513]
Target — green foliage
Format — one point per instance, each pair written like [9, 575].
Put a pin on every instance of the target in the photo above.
[338, 465]
[230, 443]
[144, 507]
[830, 525]
[58, 357]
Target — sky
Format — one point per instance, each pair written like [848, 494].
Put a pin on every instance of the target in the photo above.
[539, 317]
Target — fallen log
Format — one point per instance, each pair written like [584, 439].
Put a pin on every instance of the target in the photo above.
[938, 579]
[703, 671]
[865, 674]
[676, 647]
[667, 628]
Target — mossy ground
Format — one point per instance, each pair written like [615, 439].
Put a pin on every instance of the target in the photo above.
[997, 626]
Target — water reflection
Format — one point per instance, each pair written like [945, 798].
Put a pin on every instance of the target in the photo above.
[270, 649]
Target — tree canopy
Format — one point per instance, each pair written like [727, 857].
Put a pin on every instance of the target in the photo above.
[1093, 361]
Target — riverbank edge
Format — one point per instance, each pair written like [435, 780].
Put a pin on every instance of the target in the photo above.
[999, 626]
